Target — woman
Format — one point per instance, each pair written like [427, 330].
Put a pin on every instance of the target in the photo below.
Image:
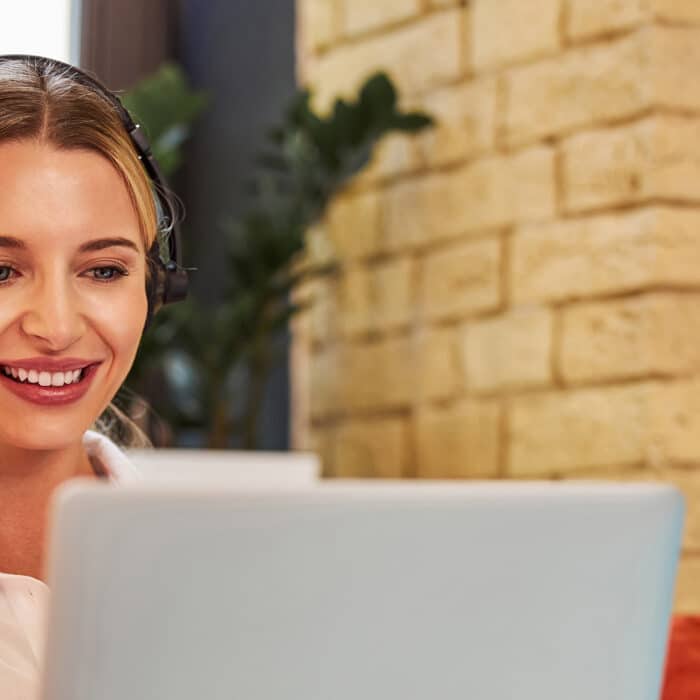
[81, 212]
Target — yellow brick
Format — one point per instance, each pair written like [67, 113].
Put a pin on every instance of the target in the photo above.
[407, 210]
[687, 600]
[495, 192]
[318, 248]
[384, 374]
[354, 225]
[391, 293]
[486, 194]
[375, 448]
[513, 30]
[674, 431]
[366, 15]
[459, 442]
[658, 157]
[588, 86]
[509, 351]
[675, 65]
[485, 190]
[321, 441]
[652, 333]
[677, 10]
[419, 56]
[394, 155]
[355, 311]
[437, 372]
[465, 122]
[586, 257]
[420, 210]
[324, 376]
[377, 375]
[318, 26]
[657, 423]
[534, 184]
[461, 280]
[323, 297]
[586, 19]
[558, 432]
[578, 88]
[396, 372]
[376, 297]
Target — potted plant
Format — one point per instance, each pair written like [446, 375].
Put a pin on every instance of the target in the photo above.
[207, 367]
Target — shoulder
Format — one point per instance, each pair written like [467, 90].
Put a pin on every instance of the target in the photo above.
[113, 460]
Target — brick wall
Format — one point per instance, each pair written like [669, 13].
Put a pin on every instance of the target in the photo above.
[520, 288]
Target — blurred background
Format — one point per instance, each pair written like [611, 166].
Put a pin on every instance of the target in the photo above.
[494, 267]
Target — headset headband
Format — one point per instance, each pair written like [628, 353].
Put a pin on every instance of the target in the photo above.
[171, 280]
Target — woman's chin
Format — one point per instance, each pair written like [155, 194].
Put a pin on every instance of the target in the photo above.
[43, 438]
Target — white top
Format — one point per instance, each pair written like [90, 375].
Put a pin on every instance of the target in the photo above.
[24, 599]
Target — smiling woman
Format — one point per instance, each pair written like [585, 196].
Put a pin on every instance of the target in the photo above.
[81, 217]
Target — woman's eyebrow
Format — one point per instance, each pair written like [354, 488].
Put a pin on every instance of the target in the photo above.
[90, 246]
[102, 243]
[11, 242]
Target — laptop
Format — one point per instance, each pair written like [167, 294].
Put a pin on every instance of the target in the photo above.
[357, 590]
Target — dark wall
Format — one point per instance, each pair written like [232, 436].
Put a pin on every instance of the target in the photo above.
[123, 40]
[242, 53]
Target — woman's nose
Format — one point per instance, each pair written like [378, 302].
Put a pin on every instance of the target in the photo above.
[52, 316]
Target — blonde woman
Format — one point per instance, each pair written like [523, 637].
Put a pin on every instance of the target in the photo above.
[82, 212]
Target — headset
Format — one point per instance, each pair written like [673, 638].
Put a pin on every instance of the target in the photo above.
[168, 280]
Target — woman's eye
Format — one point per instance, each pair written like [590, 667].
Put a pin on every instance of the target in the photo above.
[5, 273]
[107, 273]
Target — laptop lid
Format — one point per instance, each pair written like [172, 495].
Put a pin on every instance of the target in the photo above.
[384, 591]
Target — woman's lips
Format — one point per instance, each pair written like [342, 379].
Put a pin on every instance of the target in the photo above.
[50, 395]
[49, 364]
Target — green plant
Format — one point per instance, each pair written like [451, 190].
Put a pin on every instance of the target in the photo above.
[164, 104]
[204, 355]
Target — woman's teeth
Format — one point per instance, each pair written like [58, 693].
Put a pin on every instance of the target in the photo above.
[33, 376]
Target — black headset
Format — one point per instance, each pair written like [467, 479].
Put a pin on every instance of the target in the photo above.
[168, 280]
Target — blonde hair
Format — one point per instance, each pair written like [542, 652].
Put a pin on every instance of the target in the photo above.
[43, 100]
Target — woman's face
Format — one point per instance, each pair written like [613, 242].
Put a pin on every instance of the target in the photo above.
[72, 292]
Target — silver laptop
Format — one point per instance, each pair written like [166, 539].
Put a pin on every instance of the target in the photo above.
[372, 591]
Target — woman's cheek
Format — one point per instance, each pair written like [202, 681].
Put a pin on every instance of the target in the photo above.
[119, 319]
[9, 311]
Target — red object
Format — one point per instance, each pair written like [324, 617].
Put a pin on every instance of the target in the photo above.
[682, 675]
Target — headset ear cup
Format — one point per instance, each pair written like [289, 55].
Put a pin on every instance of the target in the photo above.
[165, 284]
